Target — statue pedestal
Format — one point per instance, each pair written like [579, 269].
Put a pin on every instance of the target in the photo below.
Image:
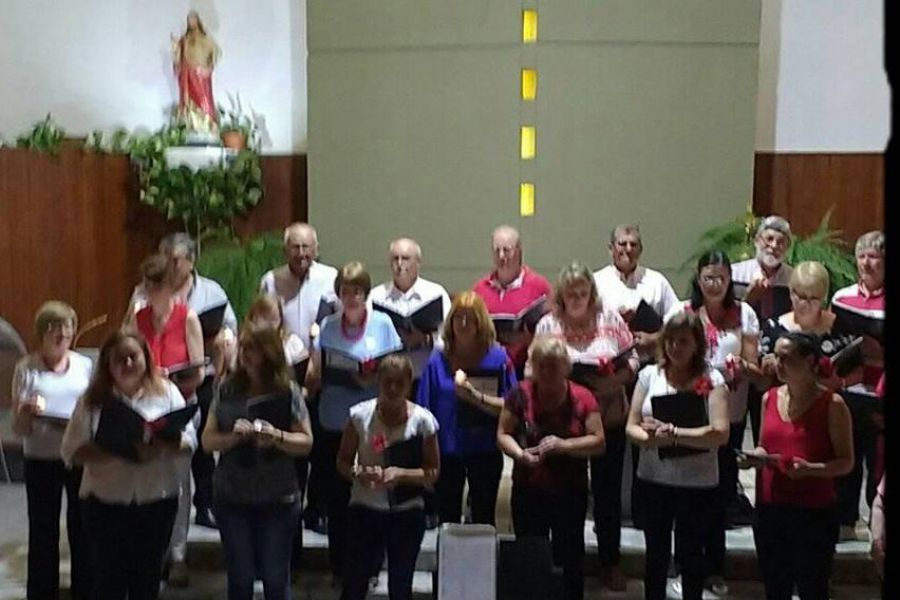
[197, 157]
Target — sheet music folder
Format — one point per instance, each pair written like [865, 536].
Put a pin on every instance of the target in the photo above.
[645, 319]
[211, 320]
[488, 382]
[526, 318]
[852, 322]
[121, 428]
[682, 409]
[274, 408]
[584, 372]
[427, 318]
[405, 455]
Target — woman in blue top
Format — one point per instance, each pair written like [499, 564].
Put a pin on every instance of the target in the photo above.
[463, 386]
[343, 367]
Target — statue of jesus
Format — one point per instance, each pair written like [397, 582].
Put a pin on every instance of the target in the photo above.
[194, 56]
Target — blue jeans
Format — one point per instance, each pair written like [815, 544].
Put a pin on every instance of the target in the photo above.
[258, 542]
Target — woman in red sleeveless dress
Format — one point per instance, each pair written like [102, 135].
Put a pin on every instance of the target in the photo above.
[806, 442]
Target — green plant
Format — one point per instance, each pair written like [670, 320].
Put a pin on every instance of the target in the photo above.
[238, 266]
[45, 136]
[235, 119]
[736, 239]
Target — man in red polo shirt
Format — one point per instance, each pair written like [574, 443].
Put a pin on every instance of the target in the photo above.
[866, 297]
[510, 288]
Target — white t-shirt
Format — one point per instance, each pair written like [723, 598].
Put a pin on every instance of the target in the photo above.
[301, 310]
[59, 390]
[694, 471]
[421, 293]
[119, 481]
[728, 341]
[369, 427]
[644, 284]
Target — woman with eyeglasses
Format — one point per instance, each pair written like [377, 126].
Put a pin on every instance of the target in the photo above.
[806, 442]
[467, 415]
[809, 285]
[45, 381]
[128, 507]
[731, 328]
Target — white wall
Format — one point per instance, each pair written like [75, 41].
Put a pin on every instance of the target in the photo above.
[100, 64]
[822, 84]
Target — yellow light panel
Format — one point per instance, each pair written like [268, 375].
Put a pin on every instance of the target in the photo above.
[527, 142]
[529, 84]
[529, 26]
[526, 199]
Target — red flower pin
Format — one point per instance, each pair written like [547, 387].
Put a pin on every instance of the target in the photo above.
[368, 366]
[826, 368]
[703, 386]
[606, 367]
[712, 336]
[379, 442]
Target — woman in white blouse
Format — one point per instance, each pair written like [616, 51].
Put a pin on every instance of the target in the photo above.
[46, 385]
[128, 507]
[679, 490]
[389, 451]
[731, 329]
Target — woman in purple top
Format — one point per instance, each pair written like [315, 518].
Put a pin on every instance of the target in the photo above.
[463, 387]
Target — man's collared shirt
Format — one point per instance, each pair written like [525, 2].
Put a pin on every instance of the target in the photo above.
[618, 291]
[301, 310]
[421, 293]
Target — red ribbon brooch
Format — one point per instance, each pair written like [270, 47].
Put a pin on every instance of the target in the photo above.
[826, 367]
[379, 442]
[368, 366]
[606, 366]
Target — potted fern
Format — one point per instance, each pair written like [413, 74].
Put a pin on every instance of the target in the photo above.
[824, 245]
[238, 129]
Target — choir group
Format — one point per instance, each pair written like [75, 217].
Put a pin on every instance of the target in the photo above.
[377, 407]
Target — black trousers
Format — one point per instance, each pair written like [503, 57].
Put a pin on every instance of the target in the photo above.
[319, 467]
[337, 496]
[374, 533]
[301, 465]
[795, 547]
[754, 409]
[606, 486]
[128, 542]
[726, 495]
[202, 462]
[537, 513]
[864, 451]
[483, 472]
[45, 481]
[689, 511]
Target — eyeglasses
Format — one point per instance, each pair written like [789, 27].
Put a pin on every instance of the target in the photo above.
[66, 327]
[807, 299]
[713, 279]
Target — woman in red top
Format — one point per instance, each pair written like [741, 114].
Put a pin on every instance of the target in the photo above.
[173, 333]
[805, 442]
[550, 427]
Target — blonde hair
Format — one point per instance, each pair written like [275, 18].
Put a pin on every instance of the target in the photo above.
[811, 277]
[51, 313]
[548, 346]
[571, 274]
[484, 327]
[353, 274]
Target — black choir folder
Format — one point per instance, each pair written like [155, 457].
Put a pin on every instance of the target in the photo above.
[583, 373]
[488, 382]
[645, 319]
[300, 369]
[427, 318]
[328, 305]
[780, 294]
[121, 428]
[211, 320]
[857, 322]
[184, 370]
[405, 455]
[525, 319]
[848, 358]
[274, 408]
[344, 369]
[682, 409]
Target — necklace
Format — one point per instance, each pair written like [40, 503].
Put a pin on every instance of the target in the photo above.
[345, 327]
[582, 334]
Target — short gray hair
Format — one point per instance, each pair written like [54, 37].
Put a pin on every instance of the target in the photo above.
[873, 240]
[179, 241]
[626, 228]
[300, 226]
[417, 249]
[776, 223]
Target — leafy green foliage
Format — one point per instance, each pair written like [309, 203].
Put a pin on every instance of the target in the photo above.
[46, 136]
[825, 245]
[235, 119]
[238, 267]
